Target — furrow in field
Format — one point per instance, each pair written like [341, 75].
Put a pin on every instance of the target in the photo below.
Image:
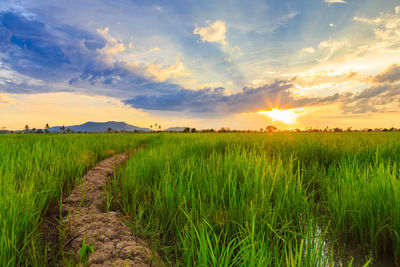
[86, 222]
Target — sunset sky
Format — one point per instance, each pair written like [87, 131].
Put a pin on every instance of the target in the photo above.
[203, 64]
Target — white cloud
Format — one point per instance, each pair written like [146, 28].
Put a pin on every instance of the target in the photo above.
[331, 25]
[113, 46]
[331, 44]
[161, 74]
[309, 50]
[386, 28]
[214, 32]
[335, 1]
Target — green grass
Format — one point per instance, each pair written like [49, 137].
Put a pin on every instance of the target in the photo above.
[232, 199]
[35, 171]
[265, 199]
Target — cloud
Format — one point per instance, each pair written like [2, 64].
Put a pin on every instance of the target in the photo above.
[332, 46]
[381, 97]
[386, 29]
[326, 79]
[377, 98]
[309, 50]
[113, 46]
[161, 74]
[37, 57]
[217, 101]
[31, 48]
[335, 2]
[391, 75]
[214, 32]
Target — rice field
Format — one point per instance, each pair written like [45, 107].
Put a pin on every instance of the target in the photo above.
[218, 199]
[35, 172]
[296, 199]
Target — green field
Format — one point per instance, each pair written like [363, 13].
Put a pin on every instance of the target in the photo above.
[222, 199]
[35, 172]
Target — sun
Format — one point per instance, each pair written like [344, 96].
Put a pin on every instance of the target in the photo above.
[287, 116]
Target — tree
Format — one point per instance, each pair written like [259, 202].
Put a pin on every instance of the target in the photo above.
[26, 128]
[159, 127]
[33, 130]
[193, 130]
[261, 130]
[62, 128]
[109, 130]
[186, 130]
[225, 129]
[46, 128]
[271, 129]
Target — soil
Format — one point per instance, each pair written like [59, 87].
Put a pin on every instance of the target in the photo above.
[84, 217]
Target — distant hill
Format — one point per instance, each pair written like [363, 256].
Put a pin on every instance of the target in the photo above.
[175, 129]
[95, 127]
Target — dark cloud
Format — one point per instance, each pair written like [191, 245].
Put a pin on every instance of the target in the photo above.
[32, 48]
[119, 75]
[67, 55]
[376, 98]
[373, 99]
[391, 75]
[374, 91]
[217, 101]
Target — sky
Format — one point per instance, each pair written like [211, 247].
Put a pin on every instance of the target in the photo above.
[203, 64]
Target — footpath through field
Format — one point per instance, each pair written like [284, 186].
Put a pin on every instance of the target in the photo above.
[109, 241]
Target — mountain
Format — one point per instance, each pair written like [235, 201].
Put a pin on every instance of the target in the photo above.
[175, 129]
[93, 127]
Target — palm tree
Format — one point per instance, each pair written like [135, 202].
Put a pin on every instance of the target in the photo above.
[62, 129]
[47, 128]
[26, 128]
[159, 127]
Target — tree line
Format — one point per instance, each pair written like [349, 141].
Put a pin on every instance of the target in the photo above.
[157, 128]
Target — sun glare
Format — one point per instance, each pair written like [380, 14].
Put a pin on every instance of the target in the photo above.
[287, 116]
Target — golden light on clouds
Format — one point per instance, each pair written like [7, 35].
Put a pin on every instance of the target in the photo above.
[287, 116]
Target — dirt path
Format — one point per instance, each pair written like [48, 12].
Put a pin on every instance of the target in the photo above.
[84, 217]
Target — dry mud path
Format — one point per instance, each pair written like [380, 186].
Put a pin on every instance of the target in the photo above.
[84, 217]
